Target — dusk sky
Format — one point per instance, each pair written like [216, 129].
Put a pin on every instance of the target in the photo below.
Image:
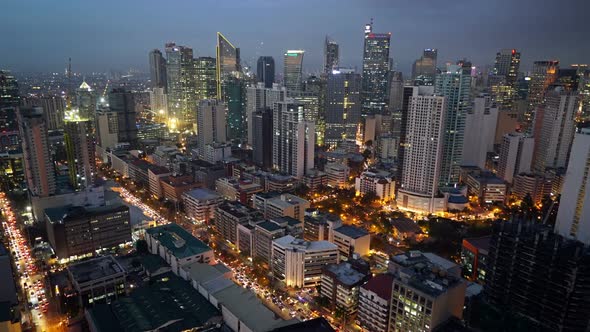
[102, 35]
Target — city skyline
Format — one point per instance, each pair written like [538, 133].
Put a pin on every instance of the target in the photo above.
[132, 31]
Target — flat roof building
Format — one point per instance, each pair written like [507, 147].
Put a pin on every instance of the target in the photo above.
[97, 280]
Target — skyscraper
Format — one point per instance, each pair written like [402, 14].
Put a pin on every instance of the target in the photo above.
[293, 140]
[234, 91]
[39, 170]
[375, 70]
[556, 131]
[181, 87]
[573, 216]
[455, 84]
[331, 55]
[265, 71]
[424, 69]
[507, 64]
[396, 89]
[343, 106]
[543, 75]
[211, 122]
[293, 70]
[424, 142]
[9, 95]
[123, 104]
[228, 62]
[157, 69]
[86, 101]
[260, 98]
[480, 131]
[206, 87]
[262, 138]
[80, 150]
[516, 156]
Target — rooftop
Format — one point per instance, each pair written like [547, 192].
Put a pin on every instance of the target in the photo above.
[176, 239]
[153, 263]
[313, 325]
[158, 170]
[344, 273]
[352, 231]
[246, 306]
[202, 194]
[269, 226]
[381, 285]
[405, 225]
[96, 268]
[61, 213]
[289, 241]
[481, 243]
[166, 304]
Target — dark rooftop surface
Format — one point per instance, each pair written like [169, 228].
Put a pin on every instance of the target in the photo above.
[381, 285]
[406, 225]
[313, 325]
[180, 242]
[352, 231]
[269, 226]
[481, 243]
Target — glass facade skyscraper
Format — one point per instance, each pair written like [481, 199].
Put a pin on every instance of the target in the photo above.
[331, 55]
[343, 106]
[293, 71]
[375, 70]
[265, 71]
[228, 62]
[181, 87]
[157, 69]
[455, 84]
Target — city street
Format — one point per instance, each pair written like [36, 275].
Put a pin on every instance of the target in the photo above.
[39, 310]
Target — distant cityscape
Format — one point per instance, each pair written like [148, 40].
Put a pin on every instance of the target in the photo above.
[206, 195]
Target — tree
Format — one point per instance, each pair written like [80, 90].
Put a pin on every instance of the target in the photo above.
[142, 247]
[367, 154]
[368, 198]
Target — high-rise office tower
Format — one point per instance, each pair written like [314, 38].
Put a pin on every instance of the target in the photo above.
[86, 101]
[543, 75]
[122, 103]
[235, 99]
[262, 138]
[204, 71]
[396, 90]
[293, 70]
[159, 104]
[343, 106]
[80, 150]
[293, 139]
[228, 63]
[107, 128]
[211, 122]
[516, 156]
[315, 94]
[424, 142]
[180, 86]
[556, 131]
[375, 70]
[573, 216]
[480, 131]
[455, 84]
[9, 95]
[265, 71]
[424, 69]
[331, 55]
[260, 98]
[39, 170]
[53, 110]
[157, 69]
[507, 64]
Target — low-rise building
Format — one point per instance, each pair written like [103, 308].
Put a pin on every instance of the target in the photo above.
[97, 280]
[177, 246]
[155, 175]
[264, 233]
[474, 257]
[340, 283]
[487, 187]
[281, 205]
[237, 189]
[350, 240]
[230, 214]
[378, 182]
[315, 179]
[405, 228]
[174, 186]
[200, 204]
[318, 226]
[216, 152]
[427, 291]
[337, 174]
[374, 303]
[138, 171]
[299, 263]
[79, 231]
